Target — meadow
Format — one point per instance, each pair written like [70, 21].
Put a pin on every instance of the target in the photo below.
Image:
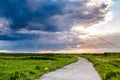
[107, 65]
[31, 67]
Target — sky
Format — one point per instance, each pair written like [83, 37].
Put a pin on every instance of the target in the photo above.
[59, 26]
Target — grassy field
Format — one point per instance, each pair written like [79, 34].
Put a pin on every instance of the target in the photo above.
[30, 67]
[108, 66]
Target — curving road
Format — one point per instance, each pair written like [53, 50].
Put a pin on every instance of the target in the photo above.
[80, 70]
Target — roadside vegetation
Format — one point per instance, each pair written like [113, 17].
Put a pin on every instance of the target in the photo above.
[107, 65]
[31, 67]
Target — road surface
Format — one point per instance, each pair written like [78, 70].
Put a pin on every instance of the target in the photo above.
[80, 70]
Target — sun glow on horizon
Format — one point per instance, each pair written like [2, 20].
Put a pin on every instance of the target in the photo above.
[74, 50]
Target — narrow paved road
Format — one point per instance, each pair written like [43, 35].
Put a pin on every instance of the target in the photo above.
[80, 70]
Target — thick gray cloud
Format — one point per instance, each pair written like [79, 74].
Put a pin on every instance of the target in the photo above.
[79, 13]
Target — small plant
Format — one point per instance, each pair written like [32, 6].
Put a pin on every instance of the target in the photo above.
[46, 69]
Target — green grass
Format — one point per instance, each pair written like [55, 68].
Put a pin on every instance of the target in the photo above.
[108, 66]
[30, 67]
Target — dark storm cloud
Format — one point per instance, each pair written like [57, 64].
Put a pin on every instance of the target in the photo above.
[51, 15]
[22, 16]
